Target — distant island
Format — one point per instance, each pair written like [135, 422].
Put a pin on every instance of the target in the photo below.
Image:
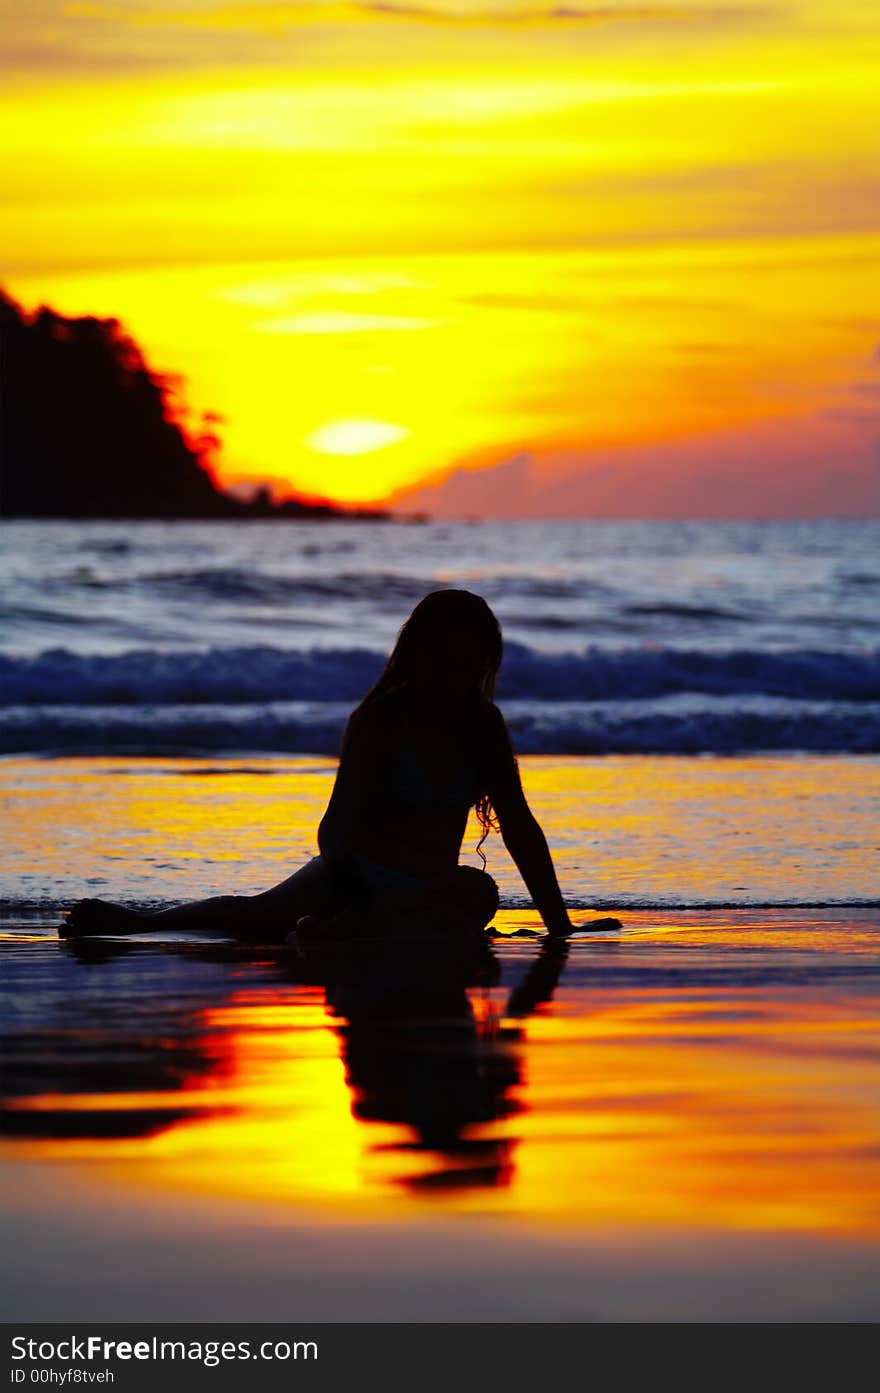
[88, 430]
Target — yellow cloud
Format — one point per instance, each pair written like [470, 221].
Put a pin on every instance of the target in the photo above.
[337, 322]
[492, 242]
[274, 17]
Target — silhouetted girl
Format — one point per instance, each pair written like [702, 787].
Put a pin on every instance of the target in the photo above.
[424, 746]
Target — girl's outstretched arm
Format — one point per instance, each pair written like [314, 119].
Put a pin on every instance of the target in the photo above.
[523, 837]
[521, 831]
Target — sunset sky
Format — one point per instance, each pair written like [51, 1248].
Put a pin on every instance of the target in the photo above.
[620, 259]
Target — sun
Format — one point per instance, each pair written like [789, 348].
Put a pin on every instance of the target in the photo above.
[355, 437]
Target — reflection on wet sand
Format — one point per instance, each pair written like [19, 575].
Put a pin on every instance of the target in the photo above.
[421, 1056]
[715, 1073]
[437, 1067]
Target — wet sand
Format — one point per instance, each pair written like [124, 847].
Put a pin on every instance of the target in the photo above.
[677, 1122]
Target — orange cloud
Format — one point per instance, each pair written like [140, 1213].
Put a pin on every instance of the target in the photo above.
[765, 472]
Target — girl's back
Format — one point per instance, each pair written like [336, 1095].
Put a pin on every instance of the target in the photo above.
[409, 773]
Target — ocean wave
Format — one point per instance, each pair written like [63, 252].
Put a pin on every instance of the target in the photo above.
[715, 727]
[646, 673]
[265, 673]
[683, 611]
[265, 588]
[667, 727]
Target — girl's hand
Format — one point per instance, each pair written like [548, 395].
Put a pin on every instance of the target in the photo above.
[605, 925]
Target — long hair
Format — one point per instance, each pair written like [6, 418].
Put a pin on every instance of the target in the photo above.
[442, 611]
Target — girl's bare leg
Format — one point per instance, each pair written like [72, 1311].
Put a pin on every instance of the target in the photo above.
[255, 918]
[91, 917]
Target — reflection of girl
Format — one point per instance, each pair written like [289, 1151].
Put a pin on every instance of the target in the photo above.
[424, 746]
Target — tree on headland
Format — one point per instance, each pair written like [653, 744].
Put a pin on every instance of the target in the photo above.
[89, 430]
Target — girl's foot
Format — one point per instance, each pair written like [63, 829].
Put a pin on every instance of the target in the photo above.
[95, 917]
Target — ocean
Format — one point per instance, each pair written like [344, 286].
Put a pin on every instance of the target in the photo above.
[648, 638]
[697, 705]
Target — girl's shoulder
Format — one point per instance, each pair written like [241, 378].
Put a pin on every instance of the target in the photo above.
[494, 735]
[375, 718]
